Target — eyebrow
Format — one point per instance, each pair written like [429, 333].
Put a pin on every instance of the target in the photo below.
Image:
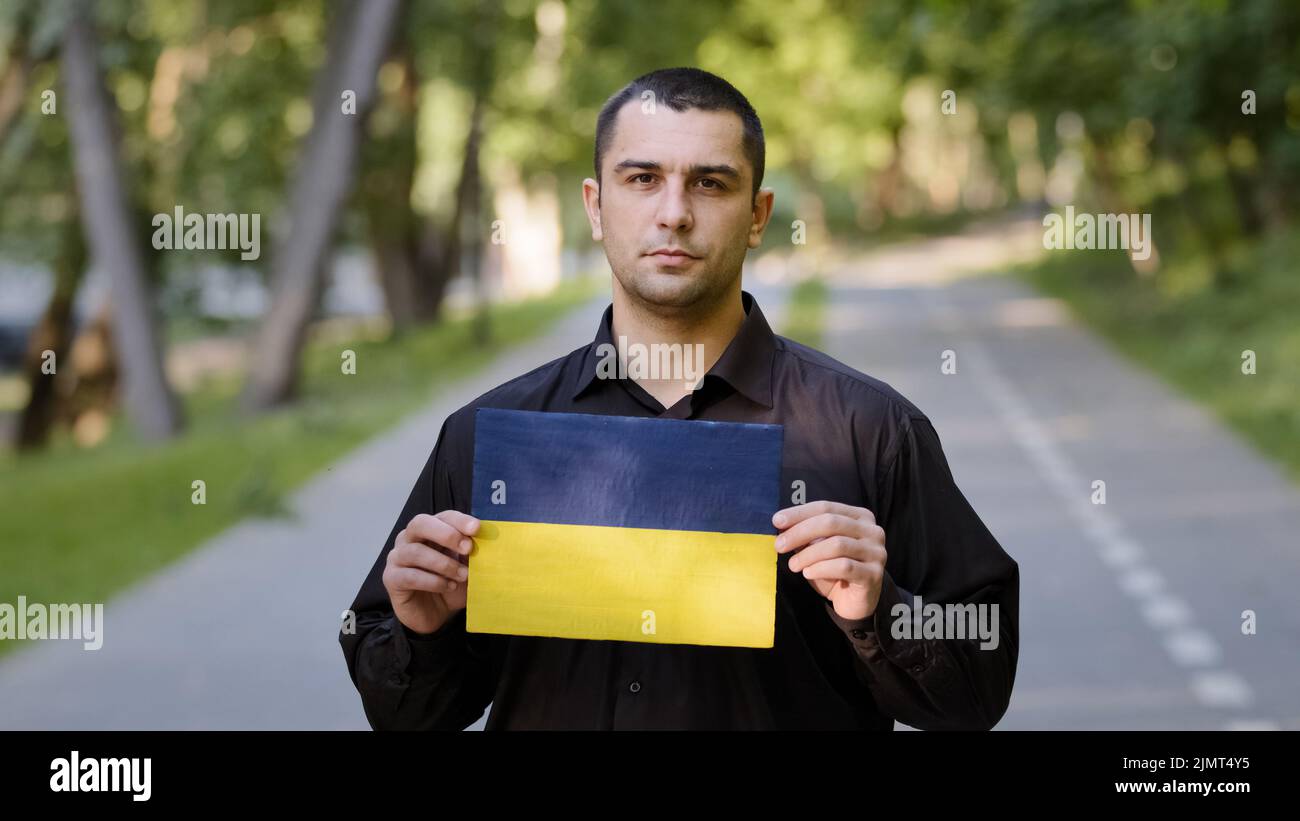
[695, 170]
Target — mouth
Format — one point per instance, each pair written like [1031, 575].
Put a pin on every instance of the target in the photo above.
[673, 257]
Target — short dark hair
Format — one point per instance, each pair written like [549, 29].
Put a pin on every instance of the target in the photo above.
[681, 89]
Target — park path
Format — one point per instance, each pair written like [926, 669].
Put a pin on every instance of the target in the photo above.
[1131, 611]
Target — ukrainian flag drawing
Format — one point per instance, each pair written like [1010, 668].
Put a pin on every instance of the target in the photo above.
[624, 528]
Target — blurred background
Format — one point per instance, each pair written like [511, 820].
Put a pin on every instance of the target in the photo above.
[215, 443]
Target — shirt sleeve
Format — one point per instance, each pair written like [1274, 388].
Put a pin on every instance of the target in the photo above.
[409, 681]
[941, 554]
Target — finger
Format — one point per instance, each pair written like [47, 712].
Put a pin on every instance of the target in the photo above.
[438, 530]
[830, 548]
[868, 553]
[793, 515]
[413, 578]
[844, 570]
[824, 526]
[463, 522]
[417, 554]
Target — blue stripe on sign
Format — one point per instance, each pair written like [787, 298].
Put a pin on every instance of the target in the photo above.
[627, 471]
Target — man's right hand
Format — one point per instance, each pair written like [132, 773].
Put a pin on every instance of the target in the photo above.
[428, 569]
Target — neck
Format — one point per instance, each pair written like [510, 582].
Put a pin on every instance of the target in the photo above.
[710, 327]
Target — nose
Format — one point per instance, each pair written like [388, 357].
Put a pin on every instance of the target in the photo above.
[674, 213]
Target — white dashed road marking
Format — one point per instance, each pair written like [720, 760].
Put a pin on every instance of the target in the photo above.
[1167, 615]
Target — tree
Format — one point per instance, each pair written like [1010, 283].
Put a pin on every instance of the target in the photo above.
[54, 333]
[414, 255]
[345, 92]
[106, 215]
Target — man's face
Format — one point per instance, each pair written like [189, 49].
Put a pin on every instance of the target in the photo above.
[676, 180]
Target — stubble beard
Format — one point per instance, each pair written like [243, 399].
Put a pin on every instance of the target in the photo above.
[683, 294]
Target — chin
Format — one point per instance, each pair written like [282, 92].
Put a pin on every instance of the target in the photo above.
[668, 288]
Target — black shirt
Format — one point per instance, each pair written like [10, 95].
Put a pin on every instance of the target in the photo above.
[848, 438]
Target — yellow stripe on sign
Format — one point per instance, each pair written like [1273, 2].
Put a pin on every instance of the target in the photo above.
[622, 584]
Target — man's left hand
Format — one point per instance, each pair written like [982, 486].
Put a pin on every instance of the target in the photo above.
[839, 549]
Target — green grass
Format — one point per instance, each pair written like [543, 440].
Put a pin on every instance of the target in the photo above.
[1193, 334]
[804, 313]
[78, 524]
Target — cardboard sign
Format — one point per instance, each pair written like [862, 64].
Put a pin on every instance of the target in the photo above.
[624, 528]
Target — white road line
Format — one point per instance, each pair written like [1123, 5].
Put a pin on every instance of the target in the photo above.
[1221, 688]
[1118, 552]
[1192, 647]
[1166, 611]
[1255, 724]
[1187, 645]
[1141, 582]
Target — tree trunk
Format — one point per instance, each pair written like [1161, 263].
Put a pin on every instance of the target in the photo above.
[13, 84]
[435, 261]
[1114, 202]
[411, 276]
[467, 225]
[109, 225]
[1243, 194]
[85, 404]
[320, 187]
[890, 182]
[467, 229]
[396, 274]
[53, 332]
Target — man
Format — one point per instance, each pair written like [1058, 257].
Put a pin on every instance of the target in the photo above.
[676, 203]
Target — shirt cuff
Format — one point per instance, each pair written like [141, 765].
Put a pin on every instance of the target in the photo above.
[427, 651]
[875, 626]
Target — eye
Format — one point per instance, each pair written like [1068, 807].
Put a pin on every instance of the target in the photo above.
[712, 183]
[648, 177]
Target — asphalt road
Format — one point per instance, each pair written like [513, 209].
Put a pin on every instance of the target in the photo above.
[1132, 610]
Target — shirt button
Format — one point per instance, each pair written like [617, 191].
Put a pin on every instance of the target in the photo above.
[635, 687]
[859, 634]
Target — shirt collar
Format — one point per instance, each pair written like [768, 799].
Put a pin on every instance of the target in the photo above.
[745, 365]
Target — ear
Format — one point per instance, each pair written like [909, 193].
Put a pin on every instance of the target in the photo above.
[591, 203]
[763, 202]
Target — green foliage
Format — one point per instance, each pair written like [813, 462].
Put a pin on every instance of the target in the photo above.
[805, 313]
[1193, 334]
